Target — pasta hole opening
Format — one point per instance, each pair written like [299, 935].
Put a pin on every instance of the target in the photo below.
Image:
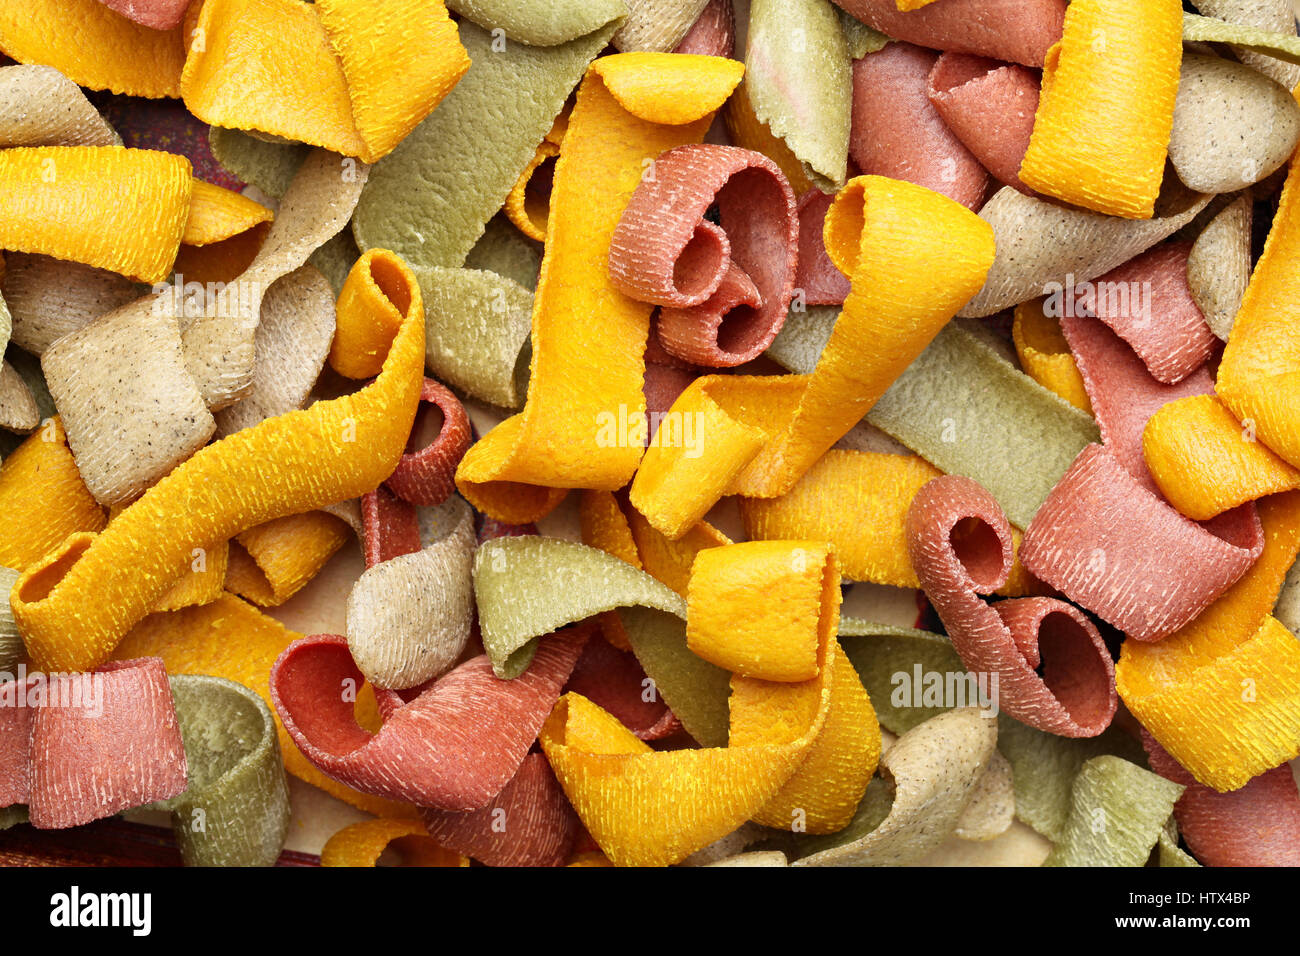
[39, 585]
[702, 263]
[391, 280]
[427, 429]
[979, 549]
[739, 333]
[1073, 669]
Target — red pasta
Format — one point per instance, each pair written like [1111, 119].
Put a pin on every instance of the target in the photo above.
[816, 276]
[91, 744]
[389, 527]
[1257, 825]
[1115, 548]
[529, 823]
[154, 14]
[663, 383]
[664, 251]
[453, 747]
[612, 679]
[990, 107]
[1122, 392]
[1019, 31]
[426, 473]
[1148, 303]
[897, 132]
[713, 33]
[1054, 670]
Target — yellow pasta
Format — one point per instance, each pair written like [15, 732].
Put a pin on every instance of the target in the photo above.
[763, 433]
[362, 844]
[1259, 378]
[107, 206]
[74, 606]
[216, 214]
[589, 338]
[271, 562]
[94, 46]
[1107, 106]
[1205, 461]
[335, 74]
[42, 498]
[755, 608]
[1045, 355]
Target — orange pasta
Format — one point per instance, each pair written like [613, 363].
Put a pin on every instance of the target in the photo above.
[1107, 106]
[285, 465]
[588, 338]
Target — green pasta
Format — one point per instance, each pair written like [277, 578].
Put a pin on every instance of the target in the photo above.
[430, 198]
[12, 816]
[527, 587]
[799, 79]
[696, 691]
[1117, 813]
[235, 811]
[478, 319]
[880, 651]
[335, 259]
[1045, 766]
[1197, 29]
[505, 250]
[268, 166]
[476, 332]
[1168, 852]
[542, 22]
[861, 39]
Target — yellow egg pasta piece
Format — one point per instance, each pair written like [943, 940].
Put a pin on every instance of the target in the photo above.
[1259, 378]
[1106, 111]
[216, 214]
[1205, 461]
[393, 83]
[336, 74]
[271, 562]
[755, 608]
[94, 46]
[42, 498]
[106, 206]
[362, 844]
[589, 338]
[1045, 355]
[74, 607]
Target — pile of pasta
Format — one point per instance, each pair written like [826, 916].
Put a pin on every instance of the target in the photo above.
[772, 433]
